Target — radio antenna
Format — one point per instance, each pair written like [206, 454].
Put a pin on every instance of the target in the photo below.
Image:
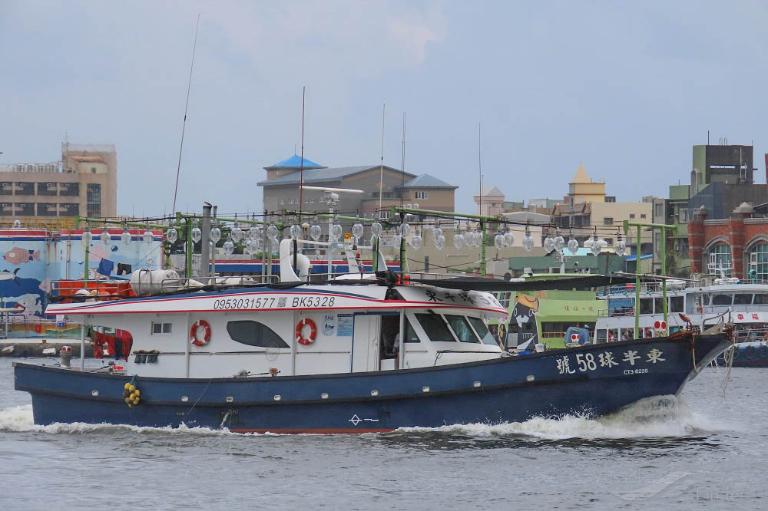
[186, 108]
[301, 164]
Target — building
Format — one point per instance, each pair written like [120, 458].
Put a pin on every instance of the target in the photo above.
[736, 246]
[494, 204]
[490, 202]
[587, 210]
[583, 190]
[82, 183]
[721, 178]
[731, 164]
[281, 188]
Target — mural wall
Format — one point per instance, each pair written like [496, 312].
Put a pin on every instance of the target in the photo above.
[33, 259]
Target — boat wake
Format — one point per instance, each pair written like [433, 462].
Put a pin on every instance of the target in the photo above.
[18, 419]
[658, 417]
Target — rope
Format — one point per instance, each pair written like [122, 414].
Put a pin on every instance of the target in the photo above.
[199, 397]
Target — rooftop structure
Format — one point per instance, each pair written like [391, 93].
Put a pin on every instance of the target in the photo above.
[82, 183]
[398, 187]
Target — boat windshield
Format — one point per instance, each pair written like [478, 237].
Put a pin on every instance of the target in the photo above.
[482, 330]
[435, 327]
[461, 328]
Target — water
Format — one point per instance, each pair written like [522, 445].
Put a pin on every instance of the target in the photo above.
[700, 451]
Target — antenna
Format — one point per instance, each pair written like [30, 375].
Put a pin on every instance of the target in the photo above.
[402, 164]
[381, 167]
[301, 165]
[186, 108]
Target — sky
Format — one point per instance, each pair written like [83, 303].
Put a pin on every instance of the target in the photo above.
[624, 87]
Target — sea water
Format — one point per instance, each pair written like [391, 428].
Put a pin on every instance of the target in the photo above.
[706, 449]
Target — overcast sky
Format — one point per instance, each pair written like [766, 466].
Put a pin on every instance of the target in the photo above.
[624, 87]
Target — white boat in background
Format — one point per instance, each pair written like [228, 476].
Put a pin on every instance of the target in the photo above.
[743, 305]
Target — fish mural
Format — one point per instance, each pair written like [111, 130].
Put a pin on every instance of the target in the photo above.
[8, 275]
[33, 260]
[29, 304]
[18, 255]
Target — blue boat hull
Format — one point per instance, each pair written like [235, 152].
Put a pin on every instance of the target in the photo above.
[747, 355]
[592, 380]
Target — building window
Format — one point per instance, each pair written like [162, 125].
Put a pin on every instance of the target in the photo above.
[94, 199]
[47, 209]
[719, 257]
[48, 189]
[69, 209]
[253, 333]
[758, 262]
[69, 189]
[161, 328]
[643, 215]
[421, 195]
[24, 188]
[608, 220]
[631, 216]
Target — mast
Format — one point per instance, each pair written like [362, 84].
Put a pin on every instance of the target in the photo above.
[301, 181]
[403, 257]
[381, 165]
[184, 122]
[301, 164]
[483, 268]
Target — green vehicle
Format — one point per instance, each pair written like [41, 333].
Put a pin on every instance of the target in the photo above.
[546, 316]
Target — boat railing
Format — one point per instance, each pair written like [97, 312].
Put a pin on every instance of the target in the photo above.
[175, 285]
[615, 313]
[743, 333]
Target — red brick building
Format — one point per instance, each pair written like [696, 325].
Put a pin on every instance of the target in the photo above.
[736, 246]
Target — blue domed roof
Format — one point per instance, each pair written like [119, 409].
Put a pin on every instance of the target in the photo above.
[294, 162]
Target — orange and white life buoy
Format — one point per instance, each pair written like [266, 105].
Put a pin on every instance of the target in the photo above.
[200, 333]
[306, 338]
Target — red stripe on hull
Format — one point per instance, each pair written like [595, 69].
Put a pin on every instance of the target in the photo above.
[313, 431]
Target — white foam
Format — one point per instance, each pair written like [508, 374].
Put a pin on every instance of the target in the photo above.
[650, 418]
[20, 419]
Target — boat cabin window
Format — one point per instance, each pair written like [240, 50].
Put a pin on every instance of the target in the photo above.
[646, 306]
[722, 299]
[658, 305]
[742, 299]
[390, 335]
[410, 333]
[435, 327]
[676, 304]
[161, 328]
[761, 299]
[461, 328]
[482, 330]
[602, 335]
[253, 333]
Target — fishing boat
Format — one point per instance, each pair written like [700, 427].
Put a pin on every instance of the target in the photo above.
[361, 352]
[742, 305]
